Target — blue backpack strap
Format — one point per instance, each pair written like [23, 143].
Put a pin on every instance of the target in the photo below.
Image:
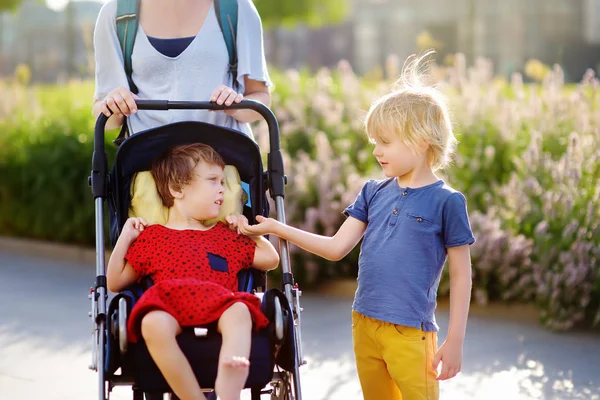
[127, 25]
[227, 15]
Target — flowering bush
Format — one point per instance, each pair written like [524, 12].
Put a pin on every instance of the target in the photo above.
[528, 162]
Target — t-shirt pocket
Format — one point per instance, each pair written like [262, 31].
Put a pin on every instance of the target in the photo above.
[218, 263]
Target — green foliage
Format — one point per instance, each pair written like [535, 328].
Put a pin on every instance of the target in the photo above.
[314, 13]
[9, 4]
[528, 162]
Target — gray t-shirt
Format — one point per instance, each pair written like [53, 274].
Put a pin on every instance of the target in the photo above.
[404, 249]
[191, 76]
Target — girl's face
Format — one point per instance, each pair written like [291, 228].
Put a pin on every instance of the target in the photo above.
[202, 198]
[394, 156]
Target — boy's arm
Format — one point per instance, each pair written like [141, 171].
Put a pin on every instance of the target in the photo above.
[332, 248]
[265, 256]
[459, 259]
[450, 353]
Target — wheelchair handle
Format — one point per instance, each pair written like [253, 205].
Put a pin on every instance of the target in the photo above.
[275, 159]
[254, 105]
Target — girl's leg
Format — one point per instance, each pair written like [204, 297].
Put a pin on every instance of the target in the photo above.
[159, 330]
[235, 325]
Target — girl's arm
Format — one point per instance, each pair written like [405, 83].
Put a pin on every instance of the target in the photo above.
[332, 248]
[265, 256]
[120, 274]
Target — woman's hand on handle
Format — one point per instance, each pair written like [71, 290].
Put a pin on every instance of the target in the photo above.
[224, 95]
[120, 102]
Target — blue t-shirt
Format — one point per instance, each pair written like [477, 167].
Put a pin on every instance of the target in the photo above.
[404, 248]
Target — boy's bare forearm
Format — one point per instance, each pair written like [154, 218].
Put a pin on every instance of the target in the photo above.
[323, 246]
[460, 298]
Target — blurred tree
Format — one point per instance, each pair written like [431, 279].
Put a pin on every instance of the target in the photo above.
[427, 42]
[289, 13]
[70, 16]
[5, 5]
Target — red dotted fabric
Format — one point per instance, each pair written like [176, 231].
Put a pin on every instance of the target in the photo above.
[194, 274]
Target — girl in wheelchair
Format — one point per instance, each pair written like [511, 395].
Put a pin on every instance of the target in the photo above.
[193, 262]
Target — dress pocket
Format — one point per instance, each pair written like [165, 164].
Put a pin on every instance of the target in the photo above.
[217, 263]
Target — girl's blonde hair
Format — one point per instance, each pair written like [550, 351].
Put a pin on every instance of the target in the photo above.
[417, 113]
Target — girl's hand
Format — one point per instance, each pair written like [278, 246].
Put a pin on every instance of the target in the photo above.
[450, 354]
[224, 95]
[119, 102]
[234, 221]
[264, 226]
[132, 228]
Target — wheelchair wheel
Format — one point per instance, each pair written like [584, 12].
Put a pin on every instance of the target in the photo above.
[282, 389]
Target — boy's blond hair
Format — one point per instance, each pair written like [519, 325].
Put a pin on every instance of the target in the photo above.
[417, 113]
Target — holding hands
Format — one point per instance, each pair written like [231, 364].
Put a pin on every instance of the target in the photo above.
[240, 224]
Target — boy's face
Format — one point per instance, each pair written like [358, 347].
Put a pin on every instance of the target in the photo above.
[395, 157]
[203, 197]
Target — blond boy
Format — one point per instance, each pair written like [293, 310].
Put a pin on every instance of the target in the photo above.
[410, 223]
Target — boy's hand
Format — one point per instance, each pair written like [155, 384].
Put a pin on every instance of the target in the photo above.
[235, 221]
[132, 228]
[264, 226]
[450, 354]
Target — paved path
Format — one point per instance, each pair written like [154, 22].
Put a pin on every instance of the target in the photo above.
[45, 346]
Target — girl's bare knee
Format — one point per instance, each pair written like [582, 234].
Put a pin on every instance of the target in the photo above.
[157, 325]
[240, 310]
[237, 314]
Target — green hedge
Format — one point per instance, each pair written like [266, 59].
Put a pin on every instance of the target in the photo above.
[528, 161]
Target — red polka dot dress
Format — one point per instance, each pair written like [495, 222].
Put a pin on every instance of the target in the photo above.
[194, 274]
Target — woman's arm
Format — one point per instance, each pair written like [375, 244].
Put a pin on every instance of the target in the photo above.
[255, 90]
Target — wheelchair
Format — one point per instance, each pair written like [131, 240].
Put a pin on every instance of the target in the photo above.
[276, 351]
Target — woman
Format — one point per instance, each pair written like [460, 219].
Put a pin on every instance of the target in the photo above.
[179, 54]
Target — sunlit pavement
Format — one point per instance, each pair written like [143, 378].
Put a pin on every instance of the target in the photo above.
[45, 346]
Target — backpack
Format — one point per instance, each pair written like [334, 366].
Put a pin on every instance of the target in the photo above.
[127, 26]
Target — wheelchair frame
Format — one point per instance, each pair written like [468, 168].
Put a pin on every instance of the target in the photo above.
[276, 181]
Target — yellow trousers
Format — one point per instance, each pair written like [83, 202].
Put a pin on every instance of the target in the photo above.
[394, 361]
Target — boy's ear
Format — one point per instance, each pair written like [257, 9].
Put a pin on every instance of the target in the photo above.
[424, 147]
[177, 194]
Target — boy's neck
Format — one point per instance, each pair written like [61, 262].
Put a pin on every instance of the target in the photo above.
[417, 178]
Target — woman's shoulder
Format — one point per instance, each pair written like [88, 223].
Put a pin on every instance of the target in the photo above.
[107, 13]
[247, 11]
